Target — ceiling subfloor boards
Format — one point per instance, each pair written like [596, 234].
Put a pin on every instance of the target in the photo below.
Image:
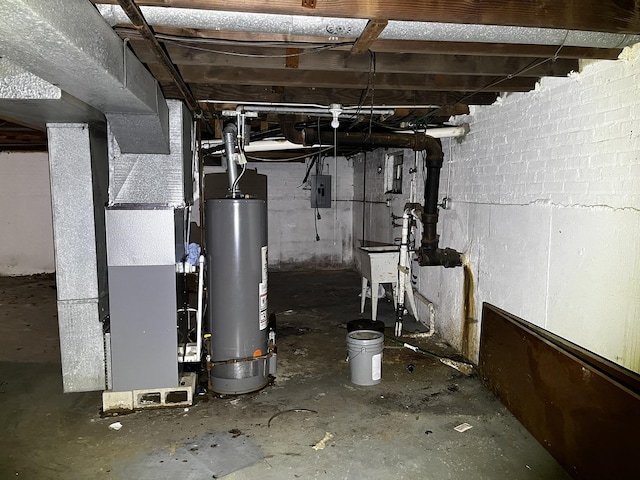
[589, 15]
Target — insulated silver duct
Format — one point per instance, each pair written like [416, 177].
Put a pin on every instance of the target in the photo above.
[348, 27]
[68, 44]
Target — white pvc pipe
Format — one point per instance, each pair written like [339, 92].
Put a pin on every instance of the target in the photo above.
[402, 271]
[432, 316]
[265, 145]
[272, 145]
[200, 307]
[444, 132]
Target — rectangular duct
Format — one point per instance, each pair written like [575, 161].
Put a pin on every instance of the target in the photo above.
[68, 44]
[155, 179]
[78, 164]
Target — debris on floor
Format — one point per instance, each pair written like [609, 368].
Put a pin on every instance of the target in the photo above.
[306, 410]
[115, 426]
[323, 443]
[463, 427]
[210, 456]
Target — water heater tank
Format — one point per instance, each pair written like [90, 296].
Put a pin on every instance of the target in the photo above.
[236, 236]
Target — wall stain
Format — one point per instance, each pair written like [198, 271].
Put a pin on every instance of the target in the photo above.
[469, 318]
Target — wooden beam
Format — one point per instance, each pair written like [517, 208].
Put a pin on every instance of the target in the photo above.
[292, 60]
[137, 18]
[324, 96]
[354, 80]
[342, 61]
[594, 15]
[370, 33]
[494, 49]
[399, 46]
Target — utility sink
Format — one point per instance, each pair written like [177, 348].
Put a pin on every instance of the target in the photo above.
[381, 248]
[378, 264]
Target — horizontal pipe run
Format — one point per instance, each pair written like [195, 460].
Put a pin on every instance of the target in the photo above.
[290, 109]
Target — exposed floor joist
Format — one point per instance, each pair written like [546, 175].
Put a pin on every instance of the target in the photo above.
[340, 61]
[367, 65]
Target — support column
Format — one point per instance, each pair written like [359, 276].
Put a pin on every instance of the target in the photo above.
[79, 180]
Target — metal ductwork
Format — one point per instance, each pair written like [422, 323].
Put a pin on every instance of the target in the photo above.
[68, 44]
[153, 179]
[346, 27]
[30, 100]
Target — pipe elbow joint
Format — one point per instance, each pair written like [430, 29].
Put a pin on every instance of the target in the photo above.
[445, 257]
[230, 128]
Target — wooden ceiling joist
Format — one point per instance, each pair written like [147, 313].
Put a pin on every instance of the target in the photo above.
[343, 61]
[370, 33]
[347, 80]
[243, 93]
[397, 46]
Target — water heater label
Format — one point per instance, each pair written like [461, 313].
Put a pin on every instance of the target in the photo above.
[263, 288]
[265, 264]
[263, 301]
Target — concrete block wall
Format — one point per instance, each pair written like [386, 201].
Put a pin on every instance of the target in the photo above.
[546, 203]
[26, 232]
[370, 199]
[292, 221]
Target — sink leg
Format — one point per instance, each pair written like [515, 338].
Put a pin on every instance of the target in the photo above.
[374, 300]
[363, 296]
[395, 296]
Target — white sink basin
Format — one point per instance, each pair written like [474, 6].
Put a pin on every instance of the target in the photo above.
[378, 264]
[381, 248]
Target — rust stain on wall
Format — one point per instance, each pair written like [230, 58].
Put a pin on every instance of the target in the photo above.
[469, 317]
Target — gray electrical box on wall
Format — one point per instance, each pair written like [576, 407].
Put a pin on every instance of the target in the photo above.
[320, 191]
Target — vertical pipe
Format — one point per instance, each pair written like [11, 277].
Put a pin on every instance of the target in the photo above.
[402, 271]
[199, 331]
[430, 214]
[364, 196]
[229, 135]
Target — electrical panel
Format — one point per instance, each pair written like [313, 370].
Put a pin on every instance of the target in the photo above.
[320, 191]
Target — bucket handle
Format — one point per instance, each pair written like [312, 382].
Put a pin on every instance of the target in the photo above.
[362, 350]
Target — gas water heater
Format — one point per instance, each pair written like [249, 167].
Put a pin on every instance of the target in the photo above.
[237, 309]
[241, 352]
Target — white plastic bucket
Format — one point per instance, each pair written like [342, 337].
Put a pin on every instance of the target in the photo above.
[365, 356]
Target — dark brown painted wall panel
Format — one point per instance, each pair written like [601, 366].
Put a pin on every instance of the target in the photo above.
[584, 409]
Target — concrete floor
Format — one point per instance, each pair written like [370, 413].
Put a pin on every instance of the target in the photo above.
[402, 428]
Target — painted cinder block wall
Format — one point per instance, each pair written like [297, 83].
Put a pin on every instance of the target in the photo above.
[292, 221]
[545, 196]
[26, 231]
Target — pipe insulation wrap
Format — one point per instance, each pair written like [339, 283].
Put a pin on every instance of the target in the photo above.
[353, 28]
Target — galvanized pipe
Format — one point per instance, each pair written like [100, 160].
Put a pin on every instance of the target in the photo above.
[313, 111]
[229, 135]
